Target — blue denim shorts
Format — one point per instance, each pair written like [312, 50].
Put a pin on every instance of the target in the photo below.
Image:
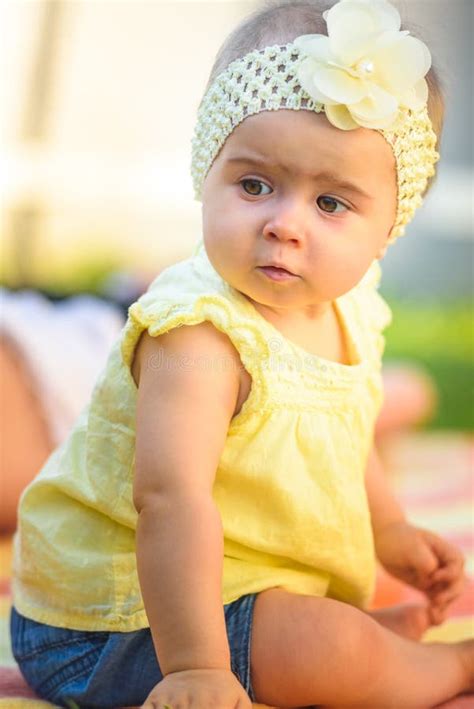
[110, 669]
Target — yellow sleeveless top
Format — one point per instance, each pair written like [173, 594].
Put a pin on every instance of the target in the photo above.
[289, 485]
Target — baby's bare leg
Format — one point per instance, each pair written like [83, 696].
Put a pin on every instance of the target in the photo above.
[410, 620]
[307, 650]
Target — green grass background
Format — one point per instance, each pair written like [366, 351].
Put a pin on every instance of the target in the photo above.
[440, 337]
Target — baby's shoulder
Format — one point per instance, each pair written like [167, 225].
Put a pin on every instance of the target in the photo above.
[201, 347]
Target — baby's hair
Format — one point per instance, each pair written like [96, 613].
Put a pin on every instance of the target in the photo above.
[281, 21]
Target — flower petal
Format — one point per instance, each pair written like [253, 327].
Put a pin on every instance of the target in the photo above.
[388, 16]
[388, 37]
[340, 117]
[378, 104]
[400, 63]
[315, 46]
[336, 70]
[387, 122]
[350, 29]
[338, 85]
[353, 24]
[306, 73]
[416, 97]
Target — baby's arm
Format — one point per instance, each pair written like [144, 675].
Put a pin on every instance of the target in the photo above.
[414, 555]
[183, 412]
[384, 508]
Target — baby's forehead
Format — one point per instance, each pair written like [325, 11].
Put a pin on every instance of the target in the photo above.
[304, 141]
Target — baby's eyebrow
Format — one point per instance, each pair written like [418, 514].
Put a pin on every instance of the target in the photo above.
[323, 175]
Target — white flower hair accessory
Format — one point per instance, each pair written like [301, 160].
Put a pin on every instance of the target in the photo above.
[365, 74]
[366, 69]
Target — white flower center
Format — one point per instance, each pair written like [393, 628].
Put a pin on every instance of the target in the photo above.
[365, 67]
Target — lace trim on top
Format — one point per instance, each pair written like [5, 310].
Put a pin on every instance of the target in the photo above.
[289, 355]
[282, 372]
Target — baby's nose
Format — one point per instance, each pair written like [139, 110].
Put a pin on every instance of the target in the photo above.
[285, 223]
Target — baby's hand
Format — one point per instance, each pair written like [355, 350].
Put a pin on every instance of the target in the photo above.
[423, 560]
[448, 581]
[198, 688]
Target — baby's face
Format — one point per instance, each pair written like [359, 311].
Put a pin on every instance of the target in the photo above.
[275, 193]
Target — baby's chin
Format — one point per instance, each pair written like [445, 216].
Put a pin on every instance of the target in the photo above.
[287, 296]
[264, 291]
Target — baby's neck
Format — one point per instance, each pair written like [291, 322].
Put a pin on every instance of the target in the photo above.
[294, 317]
[316, 330]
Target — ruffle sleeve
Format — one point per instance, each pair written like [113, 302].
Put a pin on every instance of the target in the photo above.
[162, 309]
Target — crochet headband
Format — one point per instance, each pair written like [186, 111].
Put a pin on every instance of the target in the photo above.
[365, 73]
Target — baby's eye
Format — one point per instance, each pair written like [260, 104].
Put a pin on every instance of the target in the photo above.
[253, 187]
[329, 204]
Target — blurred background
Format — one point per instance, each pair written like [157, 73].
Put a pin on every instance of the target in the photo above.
[97, 107]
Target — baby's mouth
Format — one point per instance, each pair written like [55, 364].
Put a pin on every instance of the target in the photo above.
[277, 273]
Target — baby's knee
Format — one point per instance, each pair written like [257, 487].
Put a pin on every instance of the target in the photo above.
[303, 645]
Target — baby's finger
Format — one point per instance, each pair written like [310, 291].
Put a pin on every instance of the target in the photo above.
[446, 594]
[435, 589]
[445, 573]
[452, 577]
[450, 595]
[447, 553]
[451, 565]
[437, 614]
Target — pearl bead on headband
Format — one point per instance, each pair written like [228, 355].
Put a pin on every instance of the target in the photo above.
[365, 73]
